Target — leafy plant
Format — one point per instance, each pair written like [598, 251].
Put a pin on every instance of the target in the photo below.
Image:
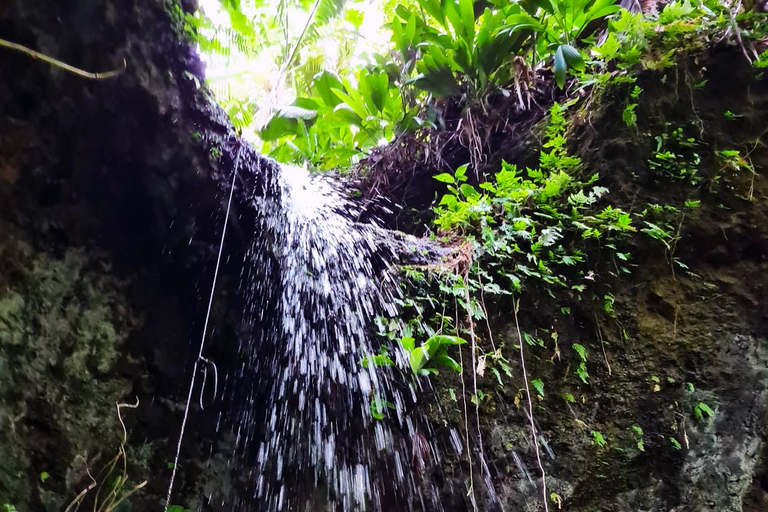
[379, 408]
[341, 120]
[639, 437]
[676, 156]
[702, 411]
[379, 360]
[581, 370]
[560, 24]
[538, 385]
[598, 438]
[431, 354]
[458, 49]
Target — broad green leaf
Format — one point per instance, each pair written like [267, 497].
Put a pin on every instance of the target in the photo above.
[418, 358]
[445, 178]
[466, 8]
[408, 343]
[344, 112]
[446, 360]
[440, 82]
[278, 127]
[573, 57]
[443, 339]
[560, 67]
[294, 112]
[521, 21]
[451, 10]
[435, 9]
[325, 83]
[356, 104]
[378, 87]
[378, 360]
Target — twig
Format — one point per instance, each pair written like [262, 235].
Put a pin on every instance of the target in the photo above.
[63, 65]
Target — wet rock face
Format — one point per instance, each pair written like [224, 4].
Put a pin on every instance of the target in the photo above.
[137, 162]
[726, 453]
[111, 199]
[683, 341]
[63, 324]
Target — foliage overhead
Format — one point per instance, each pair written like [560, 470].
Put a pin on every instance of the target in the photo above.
[328, 109]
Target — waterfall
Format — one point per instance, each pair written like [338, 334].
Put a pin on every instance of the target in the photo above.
[314, 281]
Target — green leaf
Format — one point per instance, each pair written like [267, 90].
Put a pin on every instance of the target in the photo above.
[325, 83]
[408, 343]
[344, 113]
[446, 360]
[294, 112]
[445, 178]
[379, 407]
[434, 8]
[440, 82]
[468, 191]
[461, 173]
[560, 67]
[538, 385]
[378, 361]
[468, 18]
[356, 104]
[573, 57]
[443, 339]
[418, 358]
[518, 22]
[581, 351]
[701, 410]
[598, 438]
[378, 85]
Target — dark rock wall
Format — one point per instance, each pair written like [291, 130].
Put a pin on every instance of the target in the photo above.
[111, 207]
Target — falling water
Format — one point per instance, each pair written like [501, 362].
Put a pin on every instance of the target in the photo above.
[306, 410]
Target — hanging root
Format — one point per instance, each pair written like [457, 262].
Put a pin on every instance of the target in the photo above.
[470, 128]
[472, 336]
[524, 77]
[110, 481]
[471, 490]
[62, 65]
[534, 435]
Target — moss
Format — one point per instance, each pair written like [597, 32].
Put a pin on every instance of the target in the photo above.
[62, 325]
[11, 309]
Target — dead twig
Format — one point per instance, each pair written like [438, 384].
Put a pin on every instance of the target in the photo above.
[63, 65]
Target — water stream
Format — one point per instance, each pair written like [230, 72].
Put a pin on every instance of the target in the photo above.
[306, 407]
